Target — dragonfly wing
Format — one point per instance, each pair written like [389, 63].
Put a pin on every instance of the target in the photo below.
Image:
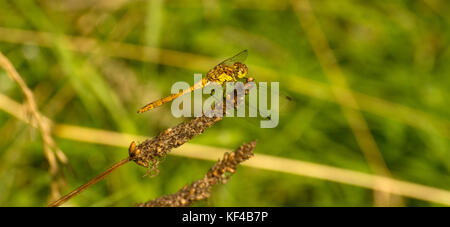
[240, 57]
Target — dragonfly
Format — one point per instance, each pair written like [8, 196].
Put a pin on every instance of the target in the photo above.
[230, 70]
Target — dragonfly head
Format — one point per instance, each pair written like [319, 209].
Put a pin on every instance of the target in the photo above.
[240, 70]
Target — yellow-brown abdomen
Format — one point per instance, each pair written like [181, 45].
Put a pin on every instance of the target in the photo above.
[171, 97]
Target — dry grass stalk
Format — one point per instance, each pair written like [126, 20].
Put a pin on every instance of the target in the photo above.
[51, 151]
[151, 151]
[201, 189]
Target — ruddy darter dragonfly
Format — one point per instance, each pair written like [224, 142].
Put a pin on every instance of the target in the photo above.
[229, 70]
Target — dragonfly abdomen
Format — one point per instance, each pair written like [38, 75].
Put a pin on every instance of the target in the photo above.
[159, 102]
[171, 97]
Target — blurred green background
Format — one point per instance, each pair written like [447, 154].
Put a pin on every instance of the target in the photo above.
[92, 64]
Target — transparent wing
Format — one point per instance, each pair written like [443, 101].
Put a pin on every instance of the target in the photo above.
[240, 57]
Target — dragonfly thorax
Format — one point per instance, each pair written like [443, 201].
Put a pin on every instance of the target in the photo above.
[224, 73]
[240, 70]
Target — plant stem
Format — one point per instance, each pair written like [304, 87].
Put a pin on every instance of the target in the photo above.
[83, 187]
